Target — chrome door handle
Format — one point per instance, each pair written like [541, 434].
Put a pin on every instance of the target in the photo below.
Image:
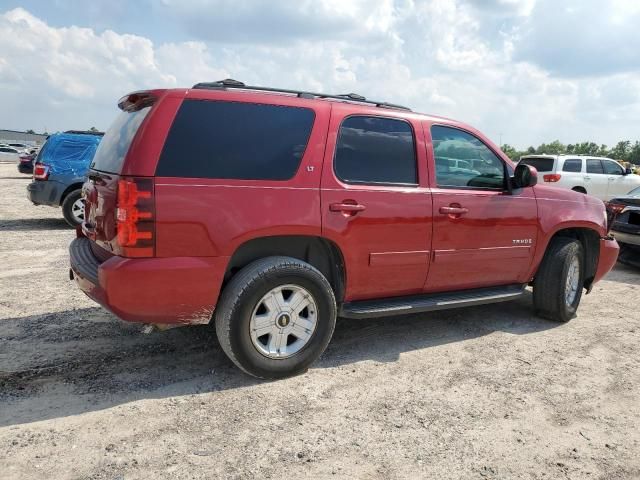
[454, 210]
[346, 207]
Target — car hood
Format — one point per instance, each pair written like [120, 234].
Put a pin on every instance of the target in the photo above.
[627, 199]
[555, 193]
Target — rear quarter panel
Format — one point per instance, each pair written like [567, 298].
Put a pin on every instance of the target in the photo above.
[208, 217]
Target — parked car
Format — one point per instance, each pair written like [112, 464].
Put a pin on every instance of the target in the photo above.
[601, 177]
[270, 212]
[626, 227]
[25, 165]
[9, 154]
[60, 170]
[21, 147]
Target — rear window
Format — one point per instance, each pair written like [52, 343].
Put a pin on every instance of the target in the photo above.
[374, 150]
[572, 165]
[233, 140]
[540, 164]
[116, 141]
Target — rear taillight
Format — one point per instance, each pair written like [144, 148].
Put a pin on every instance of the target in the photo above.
[551, 177]
[41, 171]
[135, 217]
[25, 159]
[613, 210]
[616, 208]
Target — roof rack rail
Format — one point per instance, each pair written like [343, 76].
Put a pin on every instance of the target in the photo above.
[352, 97]
[85, 132]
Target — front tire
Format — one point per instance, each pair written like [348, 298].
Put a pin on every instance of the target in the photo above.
[557, 287]
[73, 208]
[276, 317]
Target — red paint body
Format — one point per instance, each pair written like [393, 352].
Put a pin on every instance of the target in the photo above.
[400, 244]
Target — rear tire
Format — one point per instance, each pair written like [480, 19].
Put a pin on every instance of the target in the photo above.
[557, 287]
[579, 190]
[73, 208]
[287, 299]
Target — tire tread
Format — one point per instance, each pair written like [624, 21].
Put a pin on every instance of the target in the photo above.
[246, 278]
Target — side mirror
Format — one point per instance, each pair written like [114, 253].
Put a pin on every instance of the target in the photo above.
[628, 171]
[524, 176]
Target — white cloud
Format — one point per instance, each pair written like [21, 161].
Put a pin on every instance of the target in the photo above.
[459, 59]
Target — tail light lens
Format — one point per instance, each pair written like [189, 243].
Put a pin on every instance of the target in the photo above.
[613, 210]
[41, 171]
[135, 217]
[551, 177]
[616, 208]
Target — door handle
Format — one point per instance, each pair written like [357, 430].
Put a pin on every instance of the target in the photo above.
[454, 210]
[346, 207]
[587, 178]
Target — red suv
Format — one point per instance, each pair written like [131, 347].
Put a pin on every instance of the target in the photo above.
[271, 212]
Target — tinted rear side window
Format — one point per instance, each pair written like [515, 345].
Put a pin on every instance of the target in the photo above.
[376, 150]
[116, 141]
[572, 165]
[540, 164]
[232, 140]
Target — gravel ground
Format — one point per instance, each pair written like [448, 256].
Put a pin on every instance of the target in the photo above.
[484, 392]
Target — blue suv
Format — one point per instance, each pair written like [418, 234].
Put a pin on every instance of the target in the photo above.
[60, 170]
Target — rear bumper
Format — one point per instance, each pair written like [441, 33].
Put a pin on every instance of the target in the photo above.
[45, 192]
[176, 290]
[609, 250]
[24, 167]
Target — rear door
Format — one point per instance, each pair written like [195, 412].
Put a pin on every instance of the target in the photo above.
[375, 204]
[482, 235]
[100, 190]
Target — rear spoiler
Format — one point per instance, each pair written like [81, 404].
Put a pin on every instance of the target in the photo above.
[137, 100]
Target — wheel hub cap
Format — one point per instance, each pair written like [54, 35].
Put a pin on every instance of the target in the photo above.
[573, 282]
[77, 209]
[283, 321]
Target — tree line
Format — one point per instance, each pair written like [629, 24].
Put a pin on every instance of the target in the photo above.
[623, 150]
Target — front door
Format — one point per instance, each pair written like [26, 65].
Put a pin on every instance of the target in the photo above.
[482, 235]
[617, 181]
[375, 204]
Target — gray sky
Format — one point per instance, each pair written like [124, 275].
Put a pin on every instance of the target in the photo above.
[526, 70]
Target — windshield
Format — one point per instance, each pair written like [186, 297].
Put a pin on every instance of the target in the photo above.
[116, 141]
[541, 164]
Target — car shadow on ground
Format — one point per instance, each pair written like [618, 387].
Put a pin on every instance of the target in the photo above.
[26, 176]
[623, 273]
[72, 362]
[34, 224]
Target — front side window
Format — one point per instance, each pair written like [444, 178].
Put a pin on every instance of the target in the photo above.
[594, 165]
[463, 161]
[572, 165]
[612, 168]
[374, 150]
[236, 140]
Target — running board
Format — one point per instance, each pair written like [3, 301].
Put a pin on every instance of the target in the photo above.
[430, 302]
